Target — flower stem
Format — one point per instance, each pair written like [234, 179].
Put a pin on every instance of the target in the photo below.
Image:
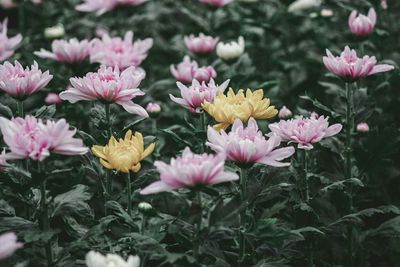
[196, 243]
[304, 162]
[203, 127]
[21, 17]
[242, 217]
[108, 121]
[45, 224]
[128, 181]
[20, 107]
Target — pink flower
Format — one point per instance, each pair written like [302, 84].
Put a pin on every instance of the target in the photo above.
[384, 4]
[216, 3]
[70, 51]
[284, 113]
[108, 85]
[7, 45]
[103, 6]
[360, 24]
[3, 162]
[195, 95]
[248, 145]
[188, 70]
[153, 108]
[201, 44]
[305, 131]
[189, 170]
[119, 52]
[362, 127]
[19, 82]
[52, 99]
[8, 245]
[350, 67]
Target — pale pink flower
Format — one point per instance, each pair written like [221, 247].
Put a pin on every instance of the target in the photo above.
[201, 43]
[31, 138]
[153, 108]
[108, 85]
[103, 6]
[247, 145]
[350, 67]
[19, 82]
[119, 52]
[360, 24]
[7, 4]
[195, 95]
[53, 99]
[204, 74]
[284, 113]
[363, 127]
[305, 131]
[384, 4]
[7, 45]
[188, 70]
[70, 51]
[216, 3]
[8, 245]
[189, 170]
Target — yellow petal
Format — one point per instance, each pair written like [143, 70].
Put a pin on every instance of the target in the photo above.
[112, 141]
[128, 135]
[106, 164]
[136, 167]
[98, 151]
[148, 150]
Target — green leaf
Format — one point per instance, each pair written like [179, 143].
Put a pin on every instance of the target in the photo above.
[321, 106]
[73, 202]
[5, 111]
[46, 112]
[340, 185]
[176, 137]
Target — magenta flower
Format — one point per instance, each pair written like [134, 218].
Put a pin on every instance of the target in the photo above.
[195, 95]
[350, 67]
[216, 3]
[305, 131]
[201, 43]
[103, 6]
[19, 82]
[188, 70]
[53, 99]
[189, 170]
[360, 24]
[70, 51]
[31, 138]
[8, 245]
[7, 45]
[108, 85]
[119, 52]
[248, 145]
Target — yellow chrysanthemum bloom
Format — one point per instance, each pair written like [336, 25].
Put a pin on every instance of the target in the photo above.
[226, 108]
[125, 154]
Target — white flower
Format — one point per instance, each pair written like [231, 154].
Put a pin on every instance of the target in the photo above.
[96, 259]
[299, 5]
[54, 32]
[231, 50]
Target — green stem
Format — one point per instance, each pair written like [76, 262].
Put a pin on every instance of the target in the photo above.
[196, 243]
[21, 17]
[154, 126]
[203, 127]
[108, 120]
[129, 186]
[310, 256]
[304, 162]
[242, 217]
[20, 107]
[45, 224]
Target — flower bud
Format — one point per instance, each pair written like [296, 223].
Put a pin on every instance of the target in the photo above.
[326, 12]
[285, 113]
[145, 207]
[53, 99]
[232, 50]
[56, 31]
[362, 127]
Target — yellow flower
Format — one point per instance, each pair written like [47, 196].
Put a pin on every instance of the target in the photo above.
[226, 108]
[125, 154]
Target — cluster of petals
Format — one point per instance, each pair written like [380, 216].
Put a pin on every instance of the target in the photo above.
[231, 50]
[188, 70]
[216, 3]
[123, 155]
[195, 95]
[201, 44]
[96, 259]
[103, 6]
[227, 108]
[360, 24]
[115, 51]
[108, 85]
[19, 82]
[305, 131]
[29, 137]
[247, 145]
[350, 67]
[190, 170]
[7, 45]
[71, 51]
[8, 245]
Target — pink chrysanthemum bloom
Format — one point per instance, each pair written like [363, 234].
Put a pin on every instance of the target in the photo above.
[247, 145]
[190, 170]
[188, 70]
[8, 245]
[103, 6]
[216, 3]
[70, 51]
[31, 138]
[119, 52]
[350, 67]
[360, 24]
[305, 131]
[7, 45]
[195, 95]
[108, 85]
[201, 43]
[19, 82]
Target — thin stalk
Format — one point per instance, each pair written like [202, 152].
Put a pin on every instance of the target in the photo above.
[45, 224]
[304, 163]
[196, 243]
[154, 126]
[203, 127]
[129, 186]
[242, 217]
[108, 121]
[310, 256]
[310, 245]
[20, 107]
[21, 16]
